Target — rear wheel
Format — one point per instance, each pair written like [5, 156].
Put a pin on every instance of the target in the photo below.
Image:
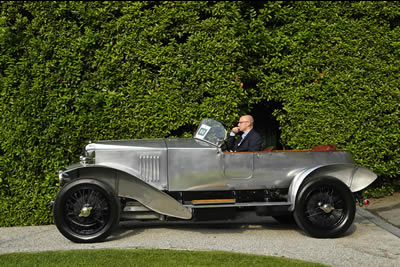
[86, 211]
[325, 207]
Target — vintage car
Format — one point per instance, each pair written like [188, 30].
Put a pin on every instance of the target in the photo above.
[195, 179]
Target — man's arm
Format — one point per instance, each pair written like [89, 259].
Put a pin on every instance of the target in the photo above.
[231, 142]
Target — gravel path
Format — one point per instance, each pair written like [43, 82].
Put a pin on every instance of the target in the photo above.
[365, 244]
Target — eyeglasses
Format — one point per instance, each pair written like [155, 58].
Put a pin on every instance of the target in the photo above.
[243, 121]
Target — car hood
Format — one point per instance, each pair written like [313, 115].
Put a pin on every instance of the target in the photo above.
[123, 145]
[147, 144]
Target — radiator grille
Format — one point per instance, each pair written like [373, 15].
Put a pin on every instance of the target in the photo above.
[150, 168]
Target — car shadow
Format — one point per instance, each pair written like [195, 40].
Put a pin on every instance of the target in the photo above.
[131, 228]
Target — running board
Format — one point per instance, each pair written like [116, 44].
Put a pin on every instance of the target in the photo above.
[228, 205]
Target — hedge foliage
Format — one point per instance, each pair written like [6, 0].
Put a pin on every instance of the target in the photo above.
[78, 71]
[338, 76]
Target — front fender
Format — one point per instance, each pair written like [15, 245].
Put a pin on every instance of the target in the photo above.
[354, 176]
[127, 185]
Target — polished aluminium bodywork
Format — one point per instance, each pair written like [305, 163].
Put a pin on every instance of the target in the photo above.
[146, 170]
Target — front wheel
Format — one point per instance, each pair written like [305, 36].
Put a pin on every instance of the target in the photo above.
[325, 207]
[86, 211]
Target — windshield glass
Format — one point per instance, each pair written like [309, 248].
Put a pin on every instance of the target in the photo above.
[211, 131]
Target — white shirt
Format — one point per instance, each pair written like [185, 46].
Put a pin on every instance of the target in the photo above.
[243, 136]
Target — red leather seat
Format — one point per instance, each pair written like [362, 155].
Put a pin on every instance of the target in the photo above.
[268, 149]
[324, 148]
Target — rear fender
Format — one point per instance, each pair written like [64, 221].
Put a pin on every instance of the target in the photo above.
[127, 185]
[354, 176]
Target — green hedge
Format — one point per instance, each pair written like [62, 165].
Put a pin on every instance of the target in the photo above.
[78, 71]
[338, 75]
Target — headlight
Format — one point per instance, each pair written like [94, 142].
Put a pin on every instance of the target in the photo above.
[86, 160]
[63, 176]
[88, 157]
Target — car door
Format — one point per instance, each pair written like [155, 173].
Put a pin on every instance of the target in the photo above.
[238, 165]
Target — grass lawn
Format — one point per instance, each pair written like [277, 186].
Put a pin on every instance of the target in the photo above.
[144, 257]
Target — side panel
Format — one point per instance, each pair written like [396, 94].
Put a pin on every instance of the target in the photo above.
[195, 169]
[278, 169]
[206, 168]
[238, 165]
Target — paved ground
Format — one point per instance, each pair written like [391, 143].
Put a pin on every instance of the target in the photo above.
[369, 242]
[387, 208]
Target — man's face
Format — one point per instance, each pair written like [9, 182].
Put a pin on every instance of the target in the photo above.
[243, 124]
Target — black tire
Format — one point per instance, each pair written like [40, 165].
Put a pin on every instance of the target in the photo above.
[325, 207]
[86, 211]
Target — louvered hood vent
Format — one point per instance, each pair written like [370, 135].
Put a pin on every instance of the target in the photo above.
[150, 168]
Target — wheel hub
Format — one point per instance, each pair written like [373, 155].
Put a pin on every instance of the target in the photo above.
[327, 208]
[85, 211]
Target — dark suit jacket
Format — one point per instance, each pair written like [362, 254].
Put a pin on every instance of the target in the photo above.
[252, 142]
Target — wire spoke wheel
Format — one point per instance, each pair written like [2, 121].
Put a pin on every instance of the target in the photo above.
[325, 196]
[91, 200]
[86, 210]
[325, 207]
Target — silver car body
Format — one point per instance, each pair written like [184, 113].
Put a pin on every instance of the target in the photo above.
[147, 169]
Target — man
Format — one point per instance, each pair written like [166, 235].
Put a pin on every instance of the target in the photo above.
[250, 140]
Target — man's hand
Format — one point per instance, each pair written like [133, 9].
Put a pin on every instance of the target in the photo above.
[235, 130]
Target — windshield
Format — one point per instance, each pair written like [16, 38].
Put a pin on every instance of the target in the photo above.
[211, 131]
